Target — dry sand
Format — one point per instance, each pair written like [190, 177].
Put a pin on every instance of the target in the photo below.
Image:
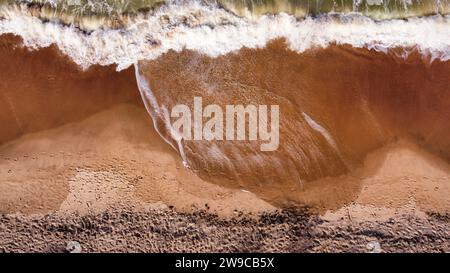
[112, 184]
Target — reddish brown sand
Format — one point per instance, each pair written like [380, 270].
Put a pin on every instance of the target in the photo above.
[87, 165]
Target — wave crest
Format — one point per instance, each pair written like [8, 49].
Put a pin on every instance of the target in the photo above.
[213, 31]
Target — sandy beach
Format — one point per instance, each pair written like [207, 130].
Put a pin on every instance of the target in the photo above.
[105, 185]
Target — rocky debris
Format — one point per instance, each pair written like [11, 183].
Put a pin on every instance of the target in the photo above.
[165, 230]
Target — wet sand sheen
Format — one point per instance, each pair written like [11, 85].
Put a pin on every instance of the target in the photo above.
[44, 89]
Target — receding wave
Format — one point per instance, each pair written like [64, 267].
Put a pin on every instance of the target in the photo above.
[336, 106]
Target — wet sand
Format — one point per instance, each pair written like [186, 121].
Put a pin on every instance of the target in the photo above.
[112, 158]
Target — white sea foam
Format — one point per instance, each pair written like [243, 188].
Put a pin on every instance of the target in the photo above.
[214, 31]
[158, 113]
[317, 127]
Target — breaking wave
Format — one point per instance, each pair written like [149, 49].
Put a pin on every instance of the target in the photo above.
[212, 30]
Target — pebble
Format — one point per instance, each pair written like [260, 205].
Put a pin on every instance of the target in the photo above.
[73, 247]
[374, 247]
